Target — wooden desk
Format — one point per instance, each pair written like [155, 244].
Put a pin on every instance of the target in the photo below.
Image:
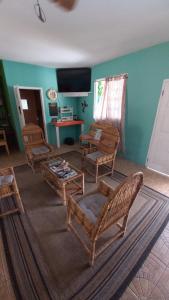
[63, 124]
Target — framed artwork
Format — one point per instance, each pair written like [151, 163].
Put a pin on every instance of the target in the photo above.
[52, 94]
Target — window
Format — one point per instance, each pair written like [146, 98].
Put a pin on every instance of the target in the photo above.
[109, 100]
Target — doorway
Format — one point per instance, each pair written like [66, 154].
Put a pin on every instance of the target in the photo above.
[30, 106]
[157, 158]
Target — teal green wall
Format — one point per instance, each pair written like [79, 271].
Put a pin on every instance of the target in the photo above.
[27, 75]
[146, 71]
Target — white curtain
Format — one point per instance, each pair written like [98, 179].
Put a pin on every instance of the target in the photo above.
[109, 102]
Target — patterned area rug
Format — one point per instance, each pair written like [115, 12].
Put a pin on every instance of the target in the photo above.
[48, 262]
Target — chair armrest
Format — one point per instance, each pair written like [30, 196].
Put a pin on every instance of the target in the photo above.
[105, 188]
[6, 171]
[72, 205]
[49, 146]
[71, 200]
[85, 137]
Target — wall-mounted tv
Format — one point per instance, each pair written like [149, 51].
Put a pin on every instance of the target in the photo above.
[74, 80]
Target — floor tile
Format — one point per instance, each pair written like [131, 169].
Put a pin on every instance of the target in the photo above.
[129, 295]
[153, 267]
[145, 289]
[4, 293]
[161, 249]
[164, 280]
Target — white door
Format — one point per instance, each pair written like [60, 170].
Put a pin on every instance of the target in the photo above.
[158, 154]
[22, 104]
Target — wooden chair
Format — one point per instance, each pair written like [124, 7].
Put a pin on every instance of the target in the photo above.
[8, 187]
[36, 148]
[3, 141]
[103, 153]
[98, 211]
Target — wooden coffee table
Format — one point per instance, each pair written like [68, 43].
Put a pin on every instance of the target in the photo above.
[73, 185]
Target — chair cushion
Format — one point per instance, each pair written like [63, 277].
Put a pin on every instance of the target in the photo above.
[40, 150]
[91, 205]
[6, 179]
[93, 156]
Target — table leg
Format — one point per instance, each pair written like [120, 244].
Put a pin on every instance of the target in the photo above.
[64, 193]
[57, 137]
[83, 184]
[82, 128]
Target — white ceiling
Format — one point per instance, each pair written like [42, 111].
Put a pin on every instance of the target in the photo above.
[95, 31]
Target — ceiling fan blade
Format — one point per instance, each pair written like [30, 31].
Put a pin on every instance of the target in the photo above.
[66, 4]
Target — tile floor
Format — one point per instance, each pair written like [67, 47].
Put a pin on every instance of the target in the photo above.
[152, 280]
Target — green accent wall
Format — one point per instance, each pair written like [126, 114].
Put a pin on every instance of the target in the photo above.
[146, 71]
[27, 75]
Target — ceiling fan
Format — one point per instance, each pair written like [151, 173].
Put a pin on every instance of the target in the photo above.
[66, 4]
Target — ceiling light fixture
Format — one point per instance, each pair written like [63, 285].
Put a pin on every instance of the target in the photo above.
[39, 12]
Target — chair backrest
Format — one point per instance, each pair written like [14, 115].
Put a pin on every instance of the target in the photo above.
[109, 140]
[110, 136]
[120, 201]
[32, 135]
[99, 125]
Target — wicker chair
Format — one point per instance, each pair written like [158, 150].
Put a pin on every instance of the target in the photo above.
[89, 138]
[8, 187]
[98, 211]
[103, 153]
[36, 148]
[3, 141]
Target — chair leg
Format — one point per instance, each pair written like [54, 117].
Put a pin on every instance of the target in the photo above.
[7, 149]
[31, 164]
[82, 162]
[97, 171]
[19, 203]
[92, 254]
[17, 196]
[124, 225]
[69, 214]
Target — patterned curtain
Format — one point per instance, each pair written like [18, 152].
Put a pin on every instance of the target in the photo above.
[109, 102]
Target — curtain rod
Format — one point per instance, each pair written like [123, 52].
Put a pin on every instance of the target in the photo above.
[125, 75]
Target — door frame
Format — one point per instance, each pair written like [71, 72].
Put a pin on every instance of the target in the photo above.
[19, 106]
[155, 123]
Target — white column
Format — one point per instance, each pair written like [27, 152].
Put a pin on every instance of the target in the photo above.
[57, 137]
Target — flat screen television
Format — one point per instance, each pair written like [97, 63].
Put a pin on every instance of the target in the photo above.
[74, 80]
